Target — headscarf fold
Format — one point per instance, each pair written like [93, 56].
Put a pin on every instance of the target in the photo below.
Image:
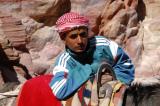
[71, 20]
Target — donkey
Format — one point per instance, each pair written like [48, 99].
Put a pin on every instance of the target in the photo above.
[142, 95]
[139, 93]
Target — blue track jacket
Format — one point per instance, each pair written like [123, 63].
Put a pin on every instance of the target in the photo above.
[72, 70]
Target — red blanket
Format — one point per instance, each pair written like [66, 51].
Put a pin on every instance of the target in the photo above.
[36, 92]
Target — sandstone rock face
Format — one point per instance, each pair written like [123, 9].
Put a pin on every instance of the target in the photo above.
[92, 9]
[30, 42]
[44, 46]
[46, 11]
[13, 40]
[14, 31]
[146, 46]
[119, 20]
[149, 65]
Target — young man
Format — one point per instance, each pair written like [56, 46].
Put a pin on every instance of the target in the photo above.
[77, 65]
[83, 56]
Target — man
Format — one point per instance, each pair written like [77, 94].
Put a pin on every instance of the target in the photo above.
[83, 56]
[77, 65]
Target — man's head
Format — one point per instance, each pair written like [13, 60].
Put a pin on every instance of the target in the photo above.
[73, 30]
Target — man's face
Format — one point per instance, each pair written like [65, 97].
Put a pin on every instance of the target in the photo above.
[77, 39]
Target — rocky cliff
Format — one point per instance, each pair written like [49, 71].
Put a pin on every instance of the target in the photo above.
[30, 43]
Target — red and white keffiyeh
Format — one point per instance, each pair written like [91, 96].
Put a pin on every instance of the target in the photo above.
[71, 20]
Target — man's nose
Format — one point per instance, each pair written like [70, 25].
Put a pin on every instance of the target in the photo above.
[79, 39]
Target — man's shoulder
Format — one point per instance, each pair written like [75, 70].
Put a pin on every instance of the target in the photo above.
[98, 36]
[62, 59]
[63, 56]
[99, 41]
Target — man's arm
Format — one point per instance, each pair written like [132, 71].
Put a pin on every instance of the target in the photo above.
[65, 81]
[123, 66]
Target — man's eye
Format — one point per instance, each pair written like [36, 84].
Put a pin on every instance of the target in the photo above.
[83, 34]
[73, 36]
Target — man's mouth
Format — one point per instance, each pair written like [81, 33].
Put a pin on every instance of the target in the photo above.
[80, 47]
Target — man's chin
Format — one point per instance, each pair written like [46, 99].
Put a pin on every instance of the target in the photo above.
[79, 51]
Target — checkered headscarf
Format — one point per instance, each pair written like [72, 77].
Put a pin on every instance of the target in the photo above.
[71, 20]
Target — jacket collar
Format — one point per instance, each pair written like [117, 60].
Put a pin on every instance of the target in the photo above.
[84, 57]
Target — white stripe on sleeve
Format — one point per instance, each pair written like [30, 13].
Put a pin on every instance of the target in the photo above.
[59, 85]
[59, 69]
[114, 47]
[127, 64]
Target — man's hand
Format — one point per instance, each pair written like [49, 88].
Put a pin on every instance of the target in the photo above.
[94, 67]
